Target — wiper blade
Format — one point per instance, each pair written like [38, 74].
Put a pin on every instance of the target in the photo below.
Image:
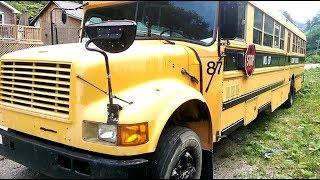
[157, 35]
[163, 38]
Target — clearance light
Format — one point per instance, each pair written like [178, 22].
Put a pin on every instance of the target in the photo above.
[132, 134]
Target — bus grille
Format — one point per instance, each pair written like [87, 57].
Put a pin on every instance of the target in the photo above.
[41, 87]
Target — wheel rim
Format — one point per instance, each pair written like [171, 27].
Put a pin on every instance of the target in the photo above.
[185, 167]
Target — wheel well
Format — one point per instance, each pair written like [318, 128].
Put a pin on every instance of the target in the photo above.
[292, 78]
[292, 81]
[195, 115]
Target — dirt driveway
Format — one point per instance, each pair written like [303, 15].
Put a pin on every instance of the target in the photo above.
[224, 166]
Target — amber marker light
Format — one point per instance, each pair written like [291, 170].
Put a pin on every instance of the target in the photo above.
[132, 134]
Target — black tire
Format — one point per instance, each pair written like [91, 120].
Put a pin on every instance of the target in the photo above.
[179, 150]
[291, 96]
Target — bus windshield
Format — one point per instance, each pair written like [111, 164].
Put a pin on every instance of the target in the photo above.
[192, 21]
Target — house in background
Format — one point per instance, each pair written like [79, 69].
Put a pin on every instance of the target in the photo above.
[67, 33]
[8, 14]
[15, 37]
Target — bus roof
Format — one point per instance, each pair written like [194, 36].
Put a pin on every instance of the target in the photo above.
[280, 19]
[97, 4]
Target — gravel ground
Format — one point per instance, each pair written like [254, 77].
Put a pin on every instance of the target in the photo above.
[224, 167]
[12, 170]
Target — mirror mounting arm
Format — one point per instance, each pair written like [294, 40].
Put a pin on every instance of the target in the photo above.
[113, 36]
[113, 109]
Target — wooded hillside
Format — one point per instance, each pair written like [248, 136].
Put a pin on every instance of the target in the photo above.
[33, 7]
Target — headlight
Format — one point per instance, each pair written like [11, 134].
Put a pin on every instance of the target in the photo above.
[118, 134]
[107, 132]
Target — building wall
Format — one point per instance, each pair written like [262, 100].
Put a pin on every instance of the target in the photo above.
[67, 33]
[8, 15]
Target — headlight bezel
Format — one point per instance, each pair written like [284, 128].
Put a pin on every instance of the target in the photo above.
[116, 134]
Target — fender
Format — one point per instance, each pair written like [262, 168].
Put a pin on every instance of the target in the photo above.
[153, 102]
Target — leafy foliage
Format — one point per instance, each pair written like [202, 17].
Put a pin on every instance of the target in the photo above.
[313, 35]
[33, 7]
[287, 15]
[313, 59]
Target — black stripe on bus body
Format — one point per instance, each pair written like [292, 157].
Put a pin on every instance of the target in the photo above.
[232, 127]
[232, 102]
[234, 60]
[226, 131]
[264, 107]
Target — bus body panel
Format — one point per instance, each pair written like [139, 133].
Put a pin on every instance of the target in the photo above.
[149, 75]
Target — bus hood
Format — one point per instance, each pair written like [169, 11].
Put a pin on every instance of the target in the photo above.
[143, 61]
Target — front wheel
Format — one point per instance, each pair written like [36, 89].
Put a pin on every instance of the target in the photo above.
[178, 155]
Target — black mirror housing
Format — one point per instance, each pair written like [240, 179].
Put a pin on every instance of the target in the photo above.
[228, 20]
[64, 17]
[112, 36]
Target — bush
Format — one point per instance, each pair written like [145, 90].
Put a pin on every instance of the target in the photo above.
[313, 59]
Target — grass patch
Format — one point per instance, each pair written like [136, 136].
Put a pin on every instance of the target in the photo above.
[286, 143]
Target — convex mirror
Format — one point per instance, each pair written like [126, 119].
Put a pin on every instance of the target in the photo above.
[112, 36]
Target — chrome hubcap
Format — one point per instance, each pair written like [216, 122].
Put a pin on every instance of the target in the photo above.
[185, 167]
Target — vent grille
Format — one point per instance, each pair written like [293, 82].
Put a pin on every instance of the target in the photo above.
[36, 86]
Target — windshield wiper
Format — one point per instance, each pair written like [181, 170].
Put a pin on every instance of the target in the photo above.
[163, 38]
[160, 37]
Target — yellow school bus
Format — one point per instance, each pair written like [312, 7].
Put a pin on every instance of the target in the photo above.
[195, 72]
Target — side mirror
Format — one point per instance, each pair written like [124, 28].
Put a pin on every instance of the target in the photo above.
[228, 20]
[112, 36]
[64, 17]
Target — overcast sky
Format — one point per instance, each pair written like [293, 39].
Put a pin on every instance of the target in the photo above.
[299, 10]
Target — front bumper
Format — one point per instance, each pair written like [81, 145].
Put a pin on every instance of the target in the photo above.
[59, 161]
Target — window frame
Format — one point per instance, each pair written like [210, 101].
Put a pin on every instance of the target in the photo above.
[294, 43]
[289, 42]
[245, 4]
[282, 38]
[267, 33]
[275, 35]
[299, 45]
[2, 17]
[262, 25]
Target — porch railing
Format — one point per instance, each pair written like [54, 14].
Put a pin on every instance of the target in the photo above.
[28, 34]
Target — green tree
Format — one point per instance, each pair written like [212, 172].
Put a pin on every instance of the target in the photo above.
[287, 15]
[313, 35]
[33, 7]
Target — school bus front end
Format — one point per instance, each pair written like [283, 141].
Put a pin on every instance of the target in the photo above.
[180, 87]
[49, 98]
